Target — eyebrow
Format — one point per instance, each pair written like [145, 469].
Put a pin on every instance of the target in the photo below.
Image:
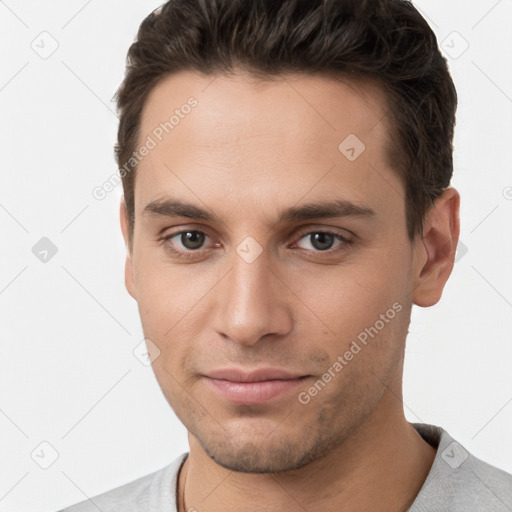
[170, 207]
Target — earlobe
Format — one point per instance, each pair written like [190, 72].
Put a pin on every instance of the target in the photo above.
[436, 249]
[128, 266]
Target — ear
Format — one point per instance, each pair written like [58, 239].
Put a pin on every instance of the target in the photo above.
[435, 250]
[128, 266]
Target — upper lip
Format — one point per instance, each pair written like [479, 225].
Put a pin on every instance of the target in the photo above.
[259, 375]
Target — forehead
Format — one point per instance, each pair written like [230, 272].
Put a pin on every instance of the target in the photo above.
[281, 139]
[241, 101]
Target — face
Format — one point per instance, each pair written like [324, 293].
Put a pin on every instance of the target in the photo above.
[269, 247]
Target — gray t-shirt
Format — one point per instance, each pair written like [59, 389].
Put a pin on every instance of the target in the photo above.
[457, 482]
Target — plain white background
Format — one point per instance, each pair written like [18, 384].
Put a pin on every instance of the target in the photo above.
[69, 378]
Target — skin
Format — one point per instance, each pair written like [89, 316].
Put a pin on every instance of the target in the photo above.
[246, 152]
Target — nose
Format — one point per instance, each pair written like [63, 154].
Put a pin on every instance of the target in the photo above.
[252, 303]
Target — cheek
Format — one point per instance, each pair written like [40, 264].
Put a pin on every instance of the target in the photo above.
[370, 326]
[353, 297]
[170, 301]
[363, 309]
[164, 292]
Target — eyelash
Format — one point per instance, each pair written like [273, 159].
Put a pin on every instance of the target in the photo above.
[346, 242]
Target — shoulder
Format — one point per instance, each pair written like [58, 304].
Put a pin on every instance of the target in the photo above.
[459, 481]
[153, 492]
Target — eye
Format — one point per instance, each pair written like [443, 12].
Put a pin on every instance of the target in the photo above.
[323, 241]
[187, 241]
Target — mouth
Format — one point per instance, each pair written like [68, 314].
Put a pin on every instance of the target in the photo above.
[256, 387]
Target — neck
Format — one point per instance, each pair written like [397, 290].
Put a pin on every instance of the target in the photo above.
[384, 461]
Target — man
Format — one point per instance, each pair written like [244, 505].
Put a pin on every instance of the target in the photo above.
[286, 169]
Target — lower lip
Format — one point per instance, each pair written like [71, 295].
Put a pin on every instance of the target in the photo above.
[252, 392]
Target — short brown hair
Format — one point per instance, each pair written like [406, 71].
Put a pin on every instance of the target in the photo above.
[385, 41]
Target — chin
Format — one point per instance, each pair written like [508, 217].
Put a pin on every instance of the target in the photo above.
[262, 451]
[251, 458]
